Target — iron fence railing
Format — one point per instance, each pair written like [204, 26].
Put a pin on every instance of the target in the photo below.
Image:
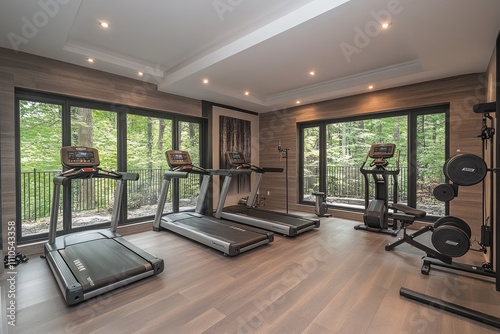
[95, 194]
[348, 182]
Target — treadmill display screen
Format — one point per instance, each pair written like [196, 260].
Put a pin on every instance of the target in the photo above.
[81, 155]
[235, 158]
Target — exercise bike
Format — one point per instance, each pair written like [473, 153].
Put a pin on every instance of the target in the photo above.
[377, 217]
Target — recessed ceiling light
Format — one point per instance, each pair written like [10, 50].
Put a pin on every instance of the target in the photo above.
[297, 102]
[90, 60]
[140, 74]
[247, 93]
[205, 81]
[370, 87]
[312, 73]
[104, 24]
[386, 25]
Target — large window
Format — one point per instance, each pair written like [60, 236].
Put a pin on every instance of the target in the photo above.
[147, 140]
[189, 138]
[92, 198]
[128, 139]
[332, 153]
[40, 125]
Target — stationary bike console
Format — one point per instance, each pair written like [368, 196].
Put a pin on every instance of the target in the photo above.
[381, 152]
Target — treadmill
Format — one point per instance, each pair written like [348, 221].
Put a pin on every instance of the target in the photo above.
[88, 263]
[282, 223]
[231, 239]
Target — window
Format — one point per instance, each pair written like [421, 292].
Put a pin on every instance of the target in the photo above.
[128, 139]
[147, 140]
[420, 138]
[92, 199]
[40, 124]
[310, 160]
[189, 139]
[430, 158]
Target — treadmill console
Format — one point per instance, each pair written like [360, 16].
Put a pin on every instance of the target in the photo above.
[79, 157]
[237, 159]
[176, 158]
[382, 151]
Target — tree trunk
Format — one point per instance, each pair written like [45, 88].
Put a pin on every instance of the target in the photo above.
[85, 136]
[150, 143]
[161, 131]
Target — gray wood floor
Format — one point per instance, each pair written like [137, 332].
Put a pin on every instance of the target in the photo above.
[330, 280]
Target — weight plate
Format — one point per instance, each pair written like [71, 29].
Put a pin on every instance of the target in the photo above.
[465, 169]
[450, 241]
[454, 221]
[444, 192]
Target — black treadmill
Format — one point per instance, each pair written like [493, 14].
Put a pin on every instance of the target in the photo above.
[282, 223]
[231, 239]
[89, 263]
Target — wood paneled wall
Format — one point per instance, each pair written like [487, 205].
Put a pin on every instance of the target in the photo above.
[460, 92]
[21, 70]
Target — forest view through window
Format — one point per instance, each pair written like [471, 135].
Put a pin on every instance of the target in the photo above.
[46, 124]
[420, 138]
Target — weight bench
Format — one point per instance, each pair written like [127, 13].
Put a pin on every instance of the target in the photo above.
[407, 217]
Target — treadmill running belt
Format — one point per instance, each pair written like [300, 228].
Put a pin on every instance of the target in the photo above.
[99, 263]
[224, 232]
[269, 215]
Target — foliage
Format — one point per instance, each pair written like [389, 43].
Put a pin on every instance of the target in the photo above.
[41, 137]
[347, 145]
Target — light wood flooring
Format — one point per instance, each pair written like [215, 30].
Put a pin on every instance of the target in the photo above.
[330, 280]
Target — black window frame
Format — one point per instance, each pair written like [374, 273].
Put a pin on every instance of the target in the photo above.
[122, 111]
[411, 114]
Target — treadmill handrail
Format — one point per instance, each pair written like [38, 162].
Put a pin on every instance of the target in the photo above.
[65, 180]
[97, 173]
[175, 175]
[271, 170]
[228, 172]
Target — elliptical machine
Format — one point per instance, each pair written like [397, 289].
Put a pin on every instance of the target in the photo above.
[377, 217]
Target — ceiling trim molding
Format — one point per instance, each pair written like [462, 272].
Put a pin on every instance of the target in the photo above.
[108, 57]
[284, 23]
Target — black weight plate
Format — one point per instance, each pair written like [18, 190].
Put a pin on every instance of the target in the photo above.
[454, 221]
[450, 241]
[465, 169]
[444, 192]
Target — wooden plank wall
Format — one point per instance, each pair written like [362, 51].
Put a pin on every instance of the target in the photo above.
[460, 92]
[21, 70]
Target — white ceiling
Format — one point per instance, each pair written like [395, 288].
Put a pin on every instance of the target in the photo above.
[265, 47]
